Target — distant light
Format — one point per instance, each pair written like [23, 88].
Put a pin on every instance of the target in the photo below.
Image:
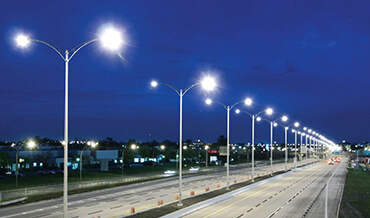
[208, 83]
[275, 124]
[31, 144]
[206, 147]
[248, 101]
[208, 101]
[154, 83]
[185, 147]
[284, 118]
[269, 111]
[293, 130]
[258, 118]
[304, 128]
[310, 130]
[22, 41]
[163, 147]
[111, 39]
[296, 124]
[133, 146]
[237, 111]
[303, 134]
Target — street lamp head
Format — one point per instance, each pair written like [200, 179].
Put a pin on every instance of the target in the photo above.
[284, 118]
[237, 111]
[94, 144]
[296, 124]
[206, 147]
[310, 130]
[299, 132]
[303, 134]
[248, 101]
[258, 118]
[31, 144]
[133, 146]
[111, 39]
[304, 128]
[163, 147]
[293, 130]
[23, 41]
[208, 101]
[269, 111]
[185, 147]
[275, 124]
[208, 83]
[154, 83]
[313, 132]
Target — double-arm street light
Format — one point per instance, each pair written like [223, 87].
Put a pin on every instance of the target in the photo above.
[30, 144]
[296, 124]
[268, 111]
[208, 84]
[92, 145]
[228, 108]
[272, 125]
[111, 39]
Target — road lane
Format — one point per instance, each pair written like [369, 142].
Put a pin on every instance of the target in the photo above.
[288, 196]
[116, 202]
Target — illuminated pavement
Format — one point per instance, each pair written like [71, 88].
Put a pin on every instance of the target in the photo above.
[288, 196]
[117, 202]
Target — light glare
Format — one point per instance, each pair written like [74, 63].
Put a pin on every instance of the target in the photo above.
[22, 41]
[248, 101]
[111, 39]
[208, 101]
[269, 111]
[208, 83]
[154, 83]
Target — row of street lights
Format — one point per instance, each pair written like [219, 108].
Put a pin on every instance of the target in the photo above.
[112, 40]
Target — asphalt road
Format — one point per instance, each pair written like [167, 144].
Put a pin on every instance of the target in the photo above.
[297, 194]
[117, 202]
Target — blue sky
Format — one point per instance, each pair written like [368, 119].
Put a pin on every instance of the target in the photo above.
[306, 59]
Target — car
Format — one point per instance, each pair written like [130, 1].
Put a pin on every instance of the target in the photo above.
[331, 161]
[194, 169]
[169, 172]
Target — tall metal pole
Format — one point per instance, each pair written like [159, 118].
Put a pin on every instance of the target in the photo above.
[253, 118]
[123, 163]
[286, 149]
[206, 157]
[180, 158]
[65, 182]
[310, 143]
[228, 149]
[306, 148]
[301, 146]
[16, 168]
[295, 149]
[271, 142]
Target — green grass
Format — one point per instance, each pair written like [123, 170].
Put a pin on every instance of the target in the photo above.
[356, 197]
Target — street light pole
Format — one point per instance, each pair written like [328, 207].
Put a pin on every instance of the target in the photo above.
[286, 149]
[268, 111]
[208, 84]
[271, 143]
[295, 149]
[180, 145]
[112, 40]
[253, 117]
[228, 108]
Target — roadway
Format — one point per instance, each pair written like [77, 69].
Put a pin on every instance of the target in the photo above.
[117, 202]
[297, 194]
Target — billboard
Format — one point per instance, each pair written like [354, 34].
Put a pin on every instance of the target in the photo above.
[223, 151]
[106, 154]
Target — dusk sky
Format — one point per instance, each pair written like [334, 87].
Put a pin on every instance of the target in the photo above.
[306, 59]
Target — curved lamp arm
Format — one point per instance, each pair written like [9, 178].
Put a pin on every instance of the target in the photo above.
[55, 48]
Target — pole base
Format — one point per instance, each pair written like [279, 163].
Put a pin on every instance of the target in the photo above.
[227, 188]
[180, 204]
[252, 180]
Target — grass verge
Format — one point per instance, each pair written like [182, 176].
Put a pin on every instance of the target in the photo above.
[356, 196]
